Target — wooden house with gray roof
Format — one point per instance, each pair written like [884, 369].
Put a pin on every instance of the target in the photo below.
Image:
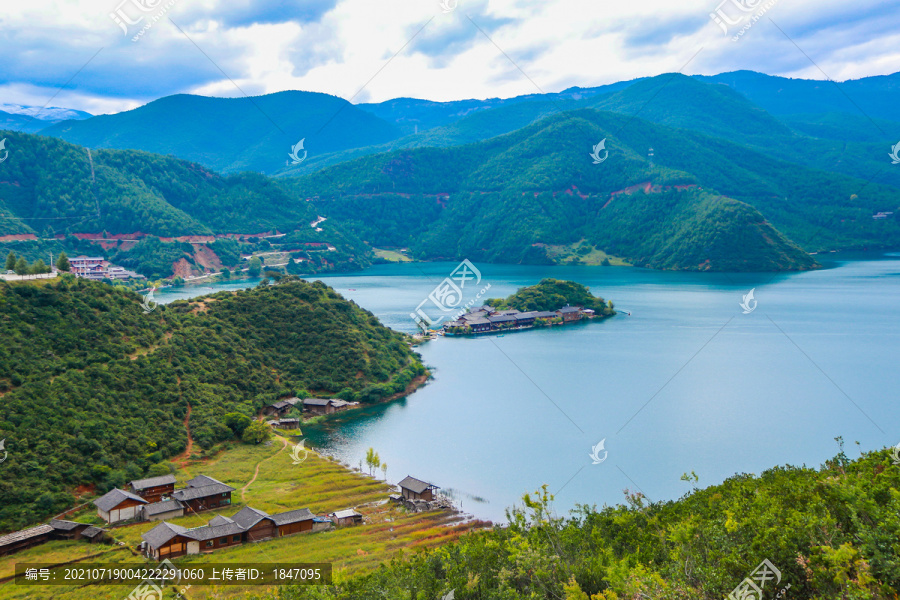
[153, 489]
[118, 505]
[203, 493]
[416, 489]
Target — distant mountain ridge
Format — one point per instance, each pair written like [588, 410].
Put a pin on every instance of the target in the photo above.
[230, 135]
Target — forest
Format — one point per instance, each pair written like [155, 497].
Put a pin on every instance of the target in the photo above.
[550, 295]
[81, 361]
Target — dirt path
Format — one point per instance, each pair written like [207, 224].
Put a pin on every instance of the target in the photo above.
[256, 471]
[184, 456]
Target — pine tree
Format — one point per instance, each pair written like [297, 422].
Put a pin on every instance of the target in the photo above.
[21, 267]
[62, 263]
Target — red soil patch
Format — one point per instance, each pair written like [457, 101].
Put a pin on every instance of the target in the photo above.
[17, 237]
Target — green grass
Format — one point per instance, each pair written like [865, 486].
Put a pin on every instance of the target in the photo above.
[321, 484]
[565, 253]
[391, 255]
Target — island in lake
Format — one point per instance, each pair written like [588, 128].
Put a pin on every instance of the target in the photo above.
[550, 302]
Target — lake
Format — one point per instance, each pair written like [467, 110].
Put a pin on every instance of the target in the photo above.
[688, 382]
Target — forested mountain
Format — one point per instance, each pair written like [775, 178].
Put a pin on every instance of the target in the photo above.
[514, 194]
[230, 135]
[95, 391]
[409, 113]
[875, 96]
[50, 188]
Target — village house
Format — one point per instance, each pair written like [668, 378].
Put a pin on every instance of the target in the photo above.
[158, 511]
[281, 408]
[118, 505]
[56, 529]
[154, 488]
[168, 540]
[346, 517]
[290, 423]
[416, 489]
[203, 493]
[570, 313]
[324, 406]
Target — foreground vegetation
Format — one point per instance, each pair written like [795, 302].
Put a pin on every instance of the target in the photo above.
[95, 391]
[833, 533]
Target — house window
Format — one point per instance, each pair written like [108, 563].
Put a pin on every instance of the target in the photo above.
[235, 538]
[224, 540]
[209, 544]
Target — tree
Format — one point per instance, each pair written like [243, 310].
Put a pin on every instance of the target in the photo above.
[237, 422]
[11, 261]
[372, 460]
[39, 267]
[158, 470]
[384, 470]
[255, 267]
[226, 274]
[21, 267]
[256, 432]
[62, 263]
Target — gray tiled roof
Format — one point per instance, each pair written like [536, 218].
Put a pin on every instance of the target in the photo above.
[115, 497]
[142, 484]
[502, 319]
[317, 401]
[569, 309]
[211, 532]
[192, 493]
[24, 534]
[293, 516]
[162, 507]
[248, 517]
[91, 532]
[219, 520]
[162, 533]
[343, 514]
[416, 485]
[61, 525]
[201, 480]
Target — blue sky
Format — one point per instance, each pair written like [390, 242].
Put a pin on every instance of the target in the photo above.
[371, 50]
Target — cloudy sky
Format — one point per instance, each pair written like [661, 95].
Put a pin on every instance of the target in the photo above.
[373, 50]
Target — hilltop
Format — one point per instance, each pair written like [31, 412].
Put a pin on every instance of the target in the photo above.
[95, 391]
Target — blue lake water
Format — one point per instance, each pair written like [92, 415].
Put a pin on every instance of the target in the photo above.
[687, 382]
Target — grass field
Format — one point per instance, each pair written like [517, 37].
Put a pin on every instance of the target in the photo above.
[566, 254]
[391, 255]
[318, 483]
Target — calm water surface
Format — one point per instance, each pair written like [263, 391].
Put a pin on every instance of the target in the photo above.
[687, 382]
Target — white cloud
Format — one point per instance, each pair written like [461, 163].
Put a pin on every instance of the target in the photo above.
[338, 47]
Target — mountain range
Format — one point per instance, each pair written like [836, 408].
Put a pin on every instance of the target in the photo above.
[739, 171]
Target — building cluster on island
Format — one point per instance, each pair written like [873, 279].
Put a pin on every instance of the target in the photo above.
[486, 319]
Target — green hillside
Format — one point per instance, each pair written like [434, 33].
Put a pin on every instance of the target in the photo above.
[51, 188]
[830, 533]
[501, 199]
[551, 295]
[81, 361]
[230, 135]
